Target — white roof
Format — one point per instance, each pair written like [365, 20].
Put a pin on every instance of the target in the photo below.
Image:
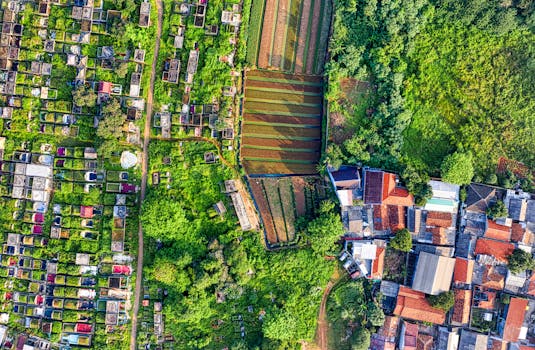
[523, 333]
[445, 190]
[38, 170]
[3, 330]
[364, 251]
[345, 197]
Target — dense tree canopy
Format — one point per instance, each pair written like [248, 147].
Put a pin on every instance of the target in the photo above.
[443, 301]
[497, 210]
[520, 261]
[457, 168]
[402, 241]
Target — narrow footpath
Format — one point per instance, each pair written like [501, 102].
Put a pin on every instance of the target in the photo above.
[323, 323]
[144, 171]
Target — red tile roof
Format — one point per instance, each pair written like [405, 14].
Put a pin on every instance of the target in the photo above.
[499, 232]
[104, 87]
[435, 218]
[500, 250]
[424, 342]
[492, 278]
[390, 217]
[497, 344]
[413, 305]
[390, 327]
[461, 308]
[489, 303]
[378, 263]
[514, 320]
[463, 271]
[531, 286]
[86, 212]
[517, 232]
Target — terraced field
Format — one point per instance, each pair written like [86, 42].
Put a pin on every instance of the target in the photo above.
[281, 131]
[282, 200]
[289, 35]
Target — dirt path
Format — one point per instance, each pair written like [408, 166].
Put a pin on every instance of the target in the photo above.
[267, 31]
[313, 43]
[302, 36]
[144, 170]
[323, 323]
[280, 33]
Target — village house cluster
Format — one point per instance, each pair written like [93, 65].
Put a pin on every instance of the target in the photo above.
[457, 247]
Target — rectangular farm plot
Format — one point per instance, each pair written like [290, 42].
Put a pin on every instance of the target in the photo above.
[291, 35]
[282, 200]
[281, 130]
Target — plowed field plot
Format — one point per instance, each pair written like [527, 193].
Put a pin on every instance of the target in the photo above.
[283, 119]
[281, 130]
[282, 200]
[289, 35]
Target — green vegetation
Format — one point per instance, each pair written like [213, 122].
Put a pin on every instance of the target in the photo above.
[352, 311]
[498, 210]
[457, 168]
[402, 241]
[219, 278]
[520, 260]
[446, 77]
[443, 301]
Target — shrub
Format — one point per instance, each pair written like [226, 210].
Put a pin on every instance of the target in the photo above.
[443, 301]
[402, 241]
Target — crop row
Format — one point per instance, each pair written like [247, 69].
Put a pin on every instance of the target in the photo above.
[263, 206]
[291, 35]
[292, 78]
[323, 36]
[283, 132]
[281, 97]
[248, 153]
[255, 28]
[274, 108]
[265, 167]
[266, 118]
[270, 86]
[278, 143]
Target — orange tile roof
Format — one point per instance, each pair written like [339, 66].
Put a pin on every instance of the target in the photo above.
[424, 342]
[461, 308]
[390, 327]
[514, 320]
[489, 303]
[394, 195]
[464, 269]
[526, 347]
[378, 263]
[499, 232]
[412, 305]
[436, 218]
[500, 250]
[493, 279]
[531, 286]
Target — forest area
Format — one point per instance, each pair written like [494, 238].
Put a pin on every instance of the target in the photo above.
[441, 86]
[223, 287]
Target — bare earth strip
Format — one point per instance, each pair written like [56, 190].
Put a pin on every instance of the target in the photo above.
[324, 37]
[316, 19]
[282, 86]
[280, 33]
[263, 207]
[282, 119]
[276, 210]
[302, 38]
[267, 30]
[253, 141]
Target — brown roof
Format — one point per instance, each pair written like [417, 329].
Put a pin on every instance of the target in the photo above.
[390, 327]
[497, 344]
[531, 286]
[413, 305]
[489, 303]
[500, 250]
[499, 232]
[515, 318]
[377, 267]
[464, 269]
[440, 236]
[373, 186]
[424, 342]
[492, 278]
[411, 334]
[435, 218]
[390, 217]
[461, 308]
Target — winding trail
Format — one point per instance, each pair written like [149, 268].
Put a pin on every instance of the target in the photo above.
[323, 323]
[144, 170]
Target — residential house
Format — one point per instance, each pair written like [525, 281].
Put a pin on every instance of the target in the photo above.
[385, 337]
[496, 344]
[347, 183]
[462, 274]
[408, 336]
[383, 188]
[445, 197]
[144, 14]
[472, 340]
[413, 305]
[513, 329]
[424, 342]
[447, 339]
[498, 251]
[498, 232]
[480, 197]
[461, 307]
[433, 273]
[514, 283]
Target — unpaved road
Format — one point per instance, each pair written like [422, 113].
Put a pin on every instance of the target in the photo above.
[144, 170]
[323, 323]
